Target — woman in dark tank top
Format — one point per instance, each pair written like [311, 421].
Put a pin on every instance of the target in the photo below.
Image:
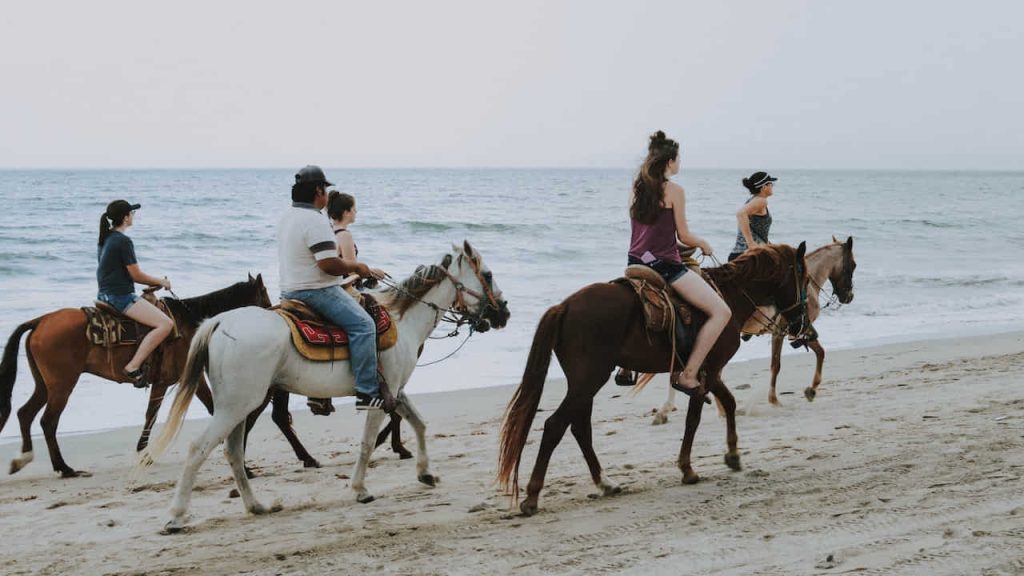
[658, 220]
[753, 218]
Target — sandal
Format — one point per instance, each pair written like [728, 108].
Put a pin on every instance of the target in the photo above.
[320, 406]
[699, 392]
[138, 377]
[625, 377]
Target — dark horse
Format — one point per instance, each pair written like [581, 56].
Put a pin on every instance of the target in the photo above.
[59, 352]
[601, 326]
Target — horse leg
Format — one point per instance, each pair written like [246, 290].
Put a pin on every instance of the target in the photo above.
[283, 418]
[250, 421]
[199, 450]
[51, 418]
[819, 352]
[374, 418]
[661, 416]
[234, 451]
[583, 432]
[156, 398]
[394, 430]
[409, 412]
[554, 429]
[776, 366]
[26, 414]
[693, 411]
[728, 402]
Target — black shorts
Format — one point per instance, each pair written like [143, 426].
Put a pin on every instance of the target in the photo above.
[669, 271]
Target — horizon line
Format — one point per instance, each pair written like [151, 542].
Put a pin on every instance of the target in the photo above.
[523, 167]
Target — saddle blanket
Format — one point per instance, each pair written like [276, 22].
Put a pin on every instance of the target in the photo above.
[317, 340]
[107, 328]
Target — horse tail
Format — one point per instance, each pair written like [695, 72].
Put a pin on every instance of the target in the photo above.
[191, 376]
[523, 406]
[9, 368]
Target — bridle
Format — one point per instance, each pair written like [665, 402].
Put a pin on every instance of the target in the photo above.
[772, 324]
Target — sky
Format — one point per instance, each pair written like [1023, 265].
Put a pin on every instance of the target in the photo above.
[781, 84]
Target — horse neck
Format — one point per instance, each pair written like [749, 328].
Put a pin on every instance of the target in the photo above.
[820, 264]
[421, 319]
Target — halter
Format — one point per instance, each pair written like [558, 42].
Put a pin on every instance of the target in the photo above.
[771, 324]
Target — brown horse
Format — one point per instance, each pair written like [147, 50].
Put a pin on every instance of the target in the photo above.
[59, 352]
[601, 326]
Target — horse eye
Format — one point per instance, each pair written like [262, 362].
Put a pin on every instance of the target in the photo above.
[487, 276]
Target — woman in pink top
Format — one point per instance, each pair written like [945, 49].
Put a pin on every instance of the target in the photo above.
[657, 213]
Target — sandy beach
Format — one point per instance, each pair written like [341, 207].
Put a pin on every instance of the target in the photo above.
[908, 462]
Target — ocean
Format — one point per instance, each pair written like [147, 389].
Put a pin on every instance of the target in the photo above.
[938, 253]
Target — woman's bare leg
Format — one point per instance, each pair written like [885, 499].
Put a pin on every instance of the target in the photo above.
[697, 292]
[145, 313]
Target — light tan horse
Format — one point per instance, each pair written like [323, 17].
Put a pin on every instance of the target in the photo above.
[832, 262]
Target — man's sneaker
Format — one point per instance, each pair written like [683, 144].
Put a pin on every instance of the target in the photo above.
[367, 402]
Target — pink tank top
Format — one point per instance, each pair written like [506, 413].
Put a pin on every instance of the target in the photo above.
[658, 238]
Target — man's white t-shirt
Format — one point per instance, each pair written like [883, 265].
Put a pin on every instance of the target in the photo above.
[304, 237]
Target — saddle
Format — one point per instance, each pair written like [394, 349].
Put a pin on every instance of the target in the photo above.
[317, 340]
[106, 327]
[658, 299]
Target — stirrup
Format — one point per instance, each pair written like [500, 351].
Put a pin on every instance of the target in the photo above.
[138, 377]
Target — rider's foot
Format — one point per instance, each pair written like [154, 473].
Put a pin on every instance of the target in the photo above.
[689, 385]
[138, 377]
[625, 377]
[367, 402]
[320, 406]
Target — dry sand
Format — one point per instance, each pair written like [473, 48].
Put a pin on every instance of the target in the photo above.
[909, 462]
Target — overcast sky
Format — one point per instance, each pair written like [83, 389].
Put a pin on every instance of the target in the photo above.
[773, 84]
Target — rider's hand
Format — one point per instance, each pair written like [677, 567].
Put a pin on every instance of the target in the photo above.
[165, 283]
[378, 273]
[706, 249]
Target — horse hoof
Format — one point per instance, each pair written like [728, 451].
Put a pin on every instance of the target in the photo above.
[249, 473]
[774, 402]
[173, 527]
[659, 419]
[311, 463]
[733, 461]
[260, 509]
[365, 498]
[810, 393]
[691, 478]
[611, 490]
[528, 508]
[404, 455]
[69, 473]
[428, 479]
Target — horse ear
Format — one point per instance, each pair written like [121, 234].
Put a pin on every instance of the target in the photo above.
[259, 279]
[849, 242]
[467, 248]
[250, 277]
[801, 250]
[834, 238]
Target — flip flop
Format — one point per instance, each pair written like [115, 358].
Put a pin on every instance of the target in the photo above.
[699, 392]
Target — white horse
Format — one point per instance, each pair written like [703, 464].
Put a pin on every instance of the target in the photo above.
[249, 350]
[833, 262]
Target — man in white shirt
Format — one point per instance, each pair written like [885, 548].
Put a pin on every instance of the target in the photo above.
[311, 271]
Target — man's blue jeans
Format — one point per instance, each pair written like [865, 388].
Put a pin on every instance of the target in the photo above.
[337, 307]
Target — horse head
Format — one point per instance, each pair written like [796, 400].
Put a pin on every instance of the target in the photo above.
[478, 297]
[790, 293]
[841, 276]
[255, 292]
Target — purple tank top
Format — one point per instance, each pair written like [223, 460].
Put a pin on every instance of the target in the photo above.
[658, 238]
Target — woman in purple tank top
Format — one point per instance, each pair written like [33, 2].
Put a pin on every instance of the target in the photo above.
[657, 213]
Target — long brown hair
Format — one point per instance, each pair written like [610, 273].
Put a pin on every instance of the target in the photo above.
[649, 185]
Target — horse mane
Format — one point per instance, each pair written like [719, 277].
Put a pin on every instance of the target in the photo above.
[759, 263]
[409, 291]
[198, 308]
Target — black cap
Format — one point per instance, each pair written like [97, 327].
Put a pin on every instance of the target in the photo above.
[118, 209]
[312, 174]
[757, 180]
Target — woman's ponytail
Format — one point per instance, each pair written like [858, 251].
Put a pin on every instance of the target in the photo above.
[104, 229]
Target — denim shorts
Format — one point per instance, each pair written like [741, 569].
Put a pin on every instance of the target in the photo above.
[121, 302]
[669, 271]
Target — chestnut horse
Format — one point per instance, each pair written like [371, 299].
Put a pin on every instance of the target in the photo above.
[59, 352]
[832, 262]
[601, 326]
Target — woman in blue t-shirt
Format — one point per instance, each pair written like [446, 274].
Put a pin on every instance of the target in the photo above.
[117, 273]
